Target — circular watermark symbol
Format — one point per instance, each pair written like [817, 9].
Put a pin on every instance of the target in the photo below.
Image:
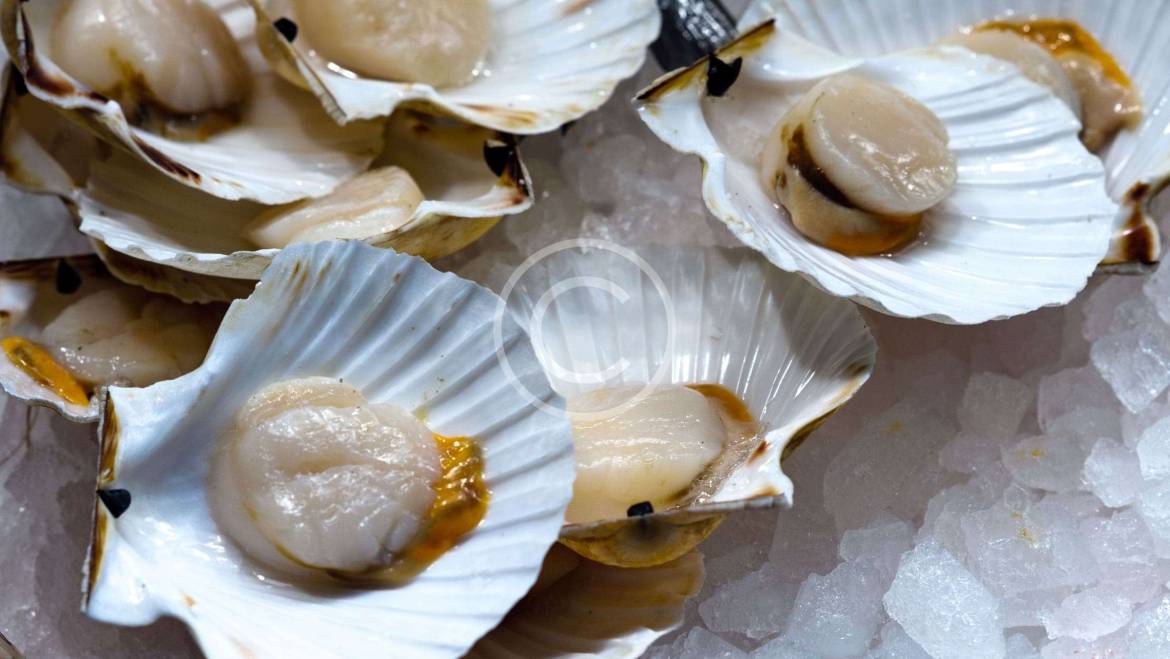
[606, 269]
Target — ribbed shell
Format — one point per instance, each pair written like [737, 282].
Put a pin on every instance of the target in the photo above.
[398, 330]
[286, 148]
[1024, 228]
[1137, 163]
[791, 353]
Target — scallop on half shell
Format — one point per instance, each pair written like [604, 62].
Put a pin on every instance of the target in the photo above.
[277, 146]
[456, 197]
[385, 327]
[69, 330]
[540, 64]
[1025, 225]
[649, 331]
[455, 182]
[1137, 160]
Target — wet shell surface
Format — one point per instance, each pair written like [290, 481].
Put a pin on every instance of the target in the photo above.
[160, 234]
[587, 608]
[602, 318]
[1137, 162]
[399, 331]
[33, 294]
[283, 148]
[1026, 225]
[39, 151]
[547, 64]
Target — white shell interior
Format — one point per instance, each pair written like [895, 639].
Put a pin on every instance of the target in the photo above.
[598, 611]
[285, 148]
[549, 63]
[134, 210]
[608, 317]
[1025, 226]
[1133, 31]
[401, 332]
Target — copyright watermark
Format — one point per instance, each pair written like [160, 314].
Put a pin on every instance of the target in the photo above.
[572, 298]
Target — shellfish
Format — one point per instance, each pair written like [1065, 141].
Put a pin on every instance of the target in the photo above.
[395, 330]
[773, 353]
[1026, 225]
[70, 330]
[534, 66]
[279, 146]
[1135, 159]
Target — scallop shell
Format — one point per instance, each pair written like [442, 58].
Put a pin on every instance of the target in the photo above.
[39, 151]
[791, 353]
[284, 149]
[1028, 221]
[398, 330]
[159, 226]
[178, 227]
[549, 63]
[32, 293]
[1137, 163]
[595, 610]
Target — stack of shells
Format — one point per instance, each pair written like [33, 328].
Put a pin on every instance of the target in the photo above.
[311, 199]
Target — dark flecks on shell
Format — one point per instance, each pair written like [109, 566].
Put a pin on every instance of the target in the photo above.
[117, 501]
[503, 158]
[18, 83]
[167, 163]
[722, 75]
[287, 28]
[497, 153]
[640, 509]
[68, 279]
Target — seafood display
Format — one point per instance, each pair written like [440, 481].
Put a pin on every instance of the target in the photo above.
[520, 67]
[685, 434]
[439, 43]
[69, 330]
[321, 404]
[1118, 41]
[1027, 221]
[198, 105]
[158, 59]
[313, 441]
[438, 186]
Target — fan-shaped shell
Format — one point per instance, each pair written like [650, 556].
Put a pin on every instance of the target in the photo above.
[401, 332]
[1025, 226]
[1137, 162]
[168, 237]
[549, 63]
[791, 353]
[284, 148]
[175, 226]
[594, 609]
